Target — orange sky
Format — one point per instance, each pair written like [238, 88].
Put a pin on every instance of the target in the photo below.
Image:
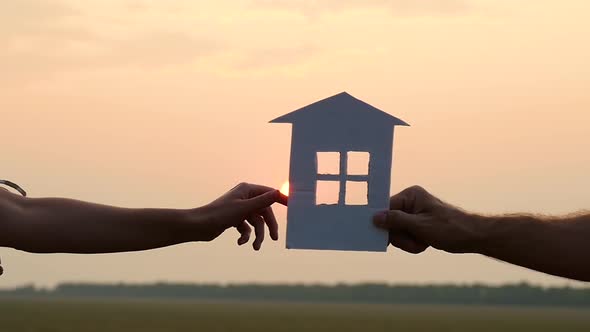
[146, 103]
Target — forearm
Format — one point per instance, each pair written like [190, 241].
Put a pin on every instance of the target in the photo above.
[49, 225]
[558, 246]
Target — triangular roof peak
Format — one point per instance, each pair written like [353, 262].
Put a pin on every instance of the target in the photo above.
[340, 104]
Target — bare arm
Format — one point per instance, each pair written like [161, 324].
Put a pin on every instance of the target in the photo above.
[48, 225]
[554, 245]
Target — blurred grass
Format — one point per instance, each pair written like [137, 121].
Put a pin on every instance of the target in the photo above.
[65, 315]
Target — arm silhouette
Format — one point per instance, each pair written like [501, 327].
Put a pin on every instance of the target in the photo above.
[555, 245]
[51, 225]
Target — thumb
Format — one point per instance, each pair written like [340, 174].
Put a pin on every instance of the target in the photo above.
[260, 202]
[396, 220]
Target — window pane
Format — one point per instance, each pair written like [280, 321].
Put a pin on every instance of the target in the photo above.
[356, 193]
[327, 192]
[358, 163]
[328, 162]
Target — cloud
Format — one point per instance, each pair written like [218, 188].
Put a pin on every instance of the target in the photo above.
[43, 38]
[276, 56]
[156, 48]
[396, 7]
[33, 19]
[24, 12]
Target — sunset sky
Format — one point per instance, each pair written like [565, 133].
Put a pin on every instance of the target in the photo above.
[167, 103]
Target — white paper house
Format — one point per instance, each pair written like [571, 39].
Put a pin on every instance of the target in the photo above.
[340, 128]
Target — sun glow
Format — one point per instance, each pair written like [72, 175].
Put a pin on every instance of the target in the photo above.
[285, 188]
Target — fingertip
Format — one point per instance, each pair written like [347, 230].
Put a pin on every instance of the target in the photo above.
[380, 219]
[282, 198]
[274, 233]
[256, 244]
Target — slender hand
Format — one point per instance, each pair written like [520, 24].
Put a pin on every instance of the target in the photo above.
[48, 225]
[554, 245]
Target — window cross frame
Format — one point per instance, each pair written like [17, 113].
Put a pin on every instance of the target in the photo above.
[343, 175]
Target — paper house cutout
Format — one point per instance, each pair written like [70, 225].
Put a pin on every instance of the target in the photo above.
[338, 127]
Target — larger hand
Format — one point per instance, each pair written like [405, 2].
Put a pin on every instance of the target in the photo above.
[417, 220]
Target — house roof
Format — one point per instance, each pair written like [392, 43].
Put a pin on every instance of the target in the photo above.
[338, 105]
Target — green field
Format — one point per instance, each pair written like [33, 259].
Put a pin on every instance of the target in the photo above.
[51, 315]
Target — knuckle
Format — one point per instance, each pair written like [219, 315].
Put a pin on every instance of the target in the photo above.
[393, 215]
[416, 250]
[417, 189]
